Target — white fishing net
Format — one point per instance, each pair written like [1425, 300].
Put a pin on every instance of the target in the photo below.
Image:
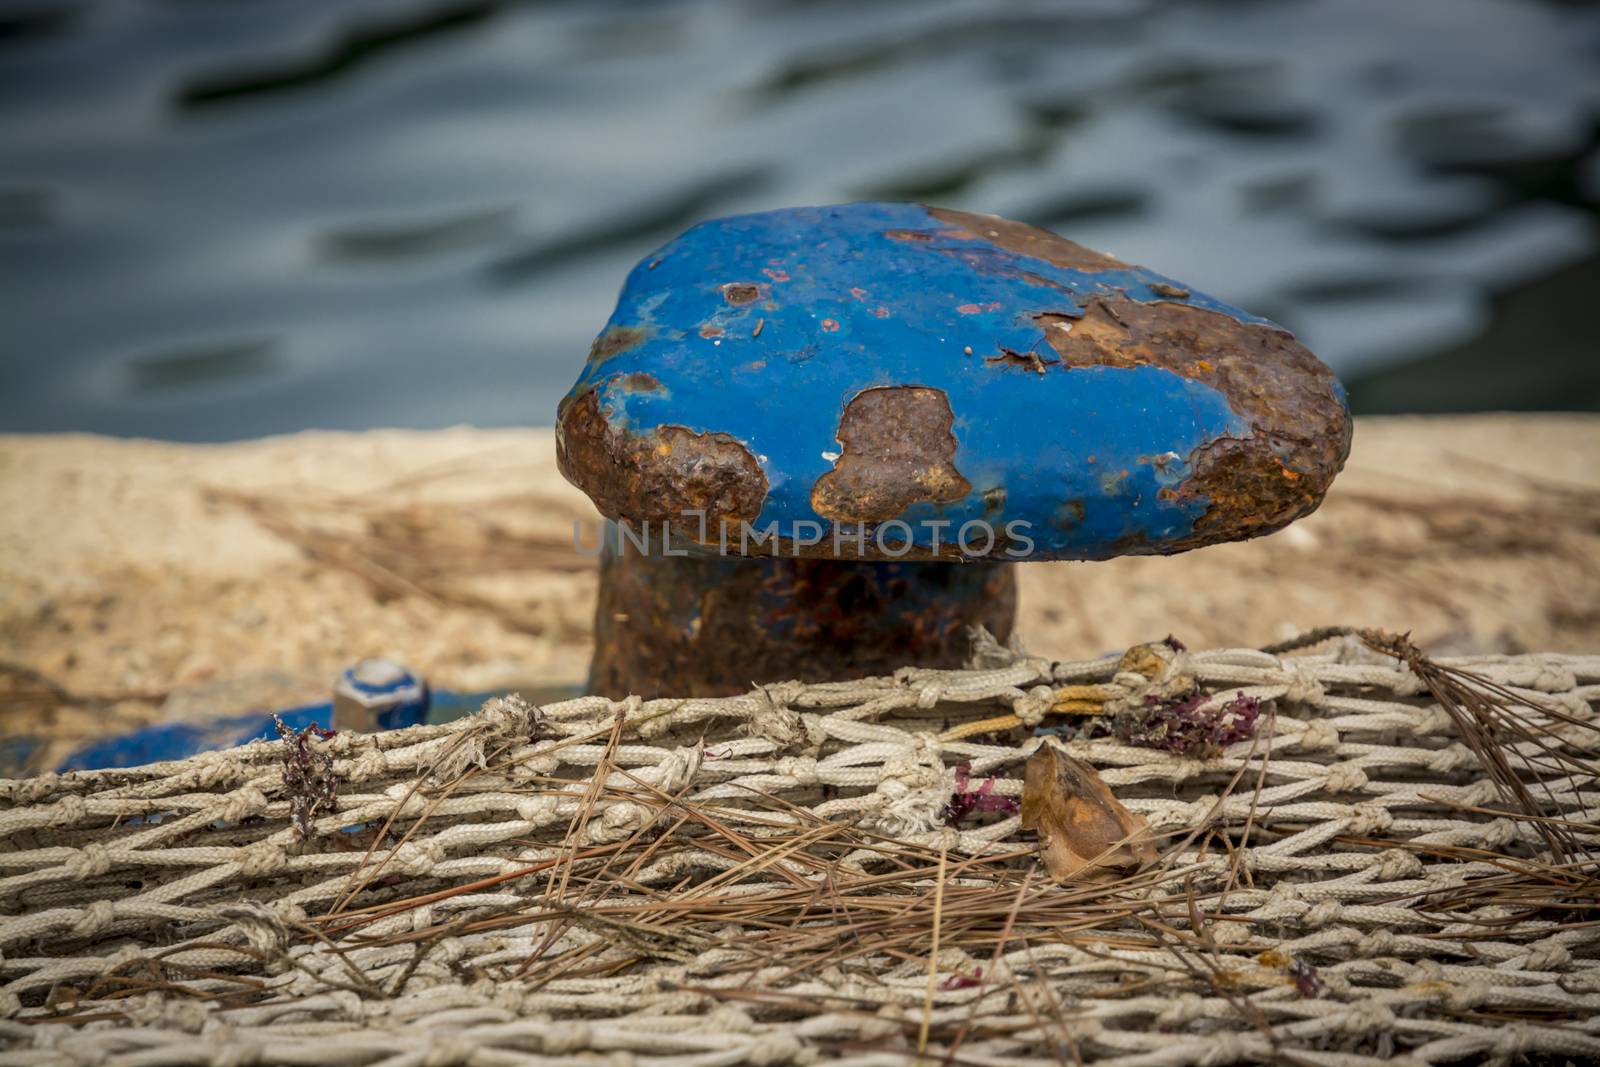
[774, 878]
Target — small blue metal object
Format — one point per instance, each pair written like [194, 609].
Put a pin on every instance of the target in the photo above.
[378, 694]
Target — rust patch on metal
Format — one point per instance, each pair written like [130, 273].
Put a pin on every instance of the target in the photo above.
[1029, 360]
[659, 476]
[703, 626]
[1025, 240]
[641, 382]
[908, 235]
[741, 293]
[1070, 514]
[1300, 430]
[898, 446]
[615, 341]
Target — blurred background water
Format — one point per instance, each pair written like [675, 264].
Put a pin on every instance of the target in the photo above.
[227, 218]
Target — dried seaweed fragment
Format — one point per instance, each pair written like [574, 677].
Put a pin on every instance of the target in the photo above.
[1083, 828]
[966, 801]
[1306, 981]
[308, 775]
[1188, 726]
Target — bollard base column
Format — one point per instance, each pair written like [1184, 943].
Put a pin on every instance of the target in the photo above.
[713, 626]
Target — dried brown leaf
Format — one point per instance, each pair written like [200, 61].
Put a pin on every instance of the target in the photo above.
[1083, 828]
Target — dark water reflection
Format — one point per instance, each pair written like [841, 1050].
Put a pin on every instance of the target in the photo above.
[223, 218]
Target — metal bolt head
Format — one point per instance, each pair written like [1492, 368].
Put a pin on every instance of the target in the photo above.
[378, 694]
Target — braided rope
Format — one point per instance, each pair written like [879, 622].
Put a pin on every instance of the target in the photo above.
[172, 914]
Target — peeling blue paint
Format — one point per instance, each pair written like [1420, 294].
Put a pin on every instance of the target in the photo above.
[1080, 453]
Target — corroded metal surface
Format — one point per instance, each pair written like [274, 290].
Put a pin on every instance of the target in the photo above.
[897, 450]
[874, 362]
[659, 475]
[709, 626]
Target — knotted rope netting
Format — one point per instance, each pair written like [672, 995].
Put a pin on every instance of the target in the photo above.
[800, 873]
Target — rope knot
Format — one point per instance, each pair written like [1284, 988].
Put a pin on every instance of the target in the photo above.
[1320, 735]
[243, 803]
[990, 655]
[1345, 778]
[264, 929]
[68, 810]
[911, 792]
[803, 769]
[185, 1016]
[621, 819]
[407, 800]
[564, 1037]
[677, 770]
[1223, 1048]
[1185, 1009]
[1497, 833]
[416, 859]
[776, 1048]
[1303, 687]
[1230, 933]
[1323, 913]
[91, 860]
[1153, 671]
[1552, 678]
[1031, 707]
[235, 1054]
[1367, 1017]
[261, 859]
[1379, 942]
[448, 1051]
[1546, 955]
[1369, 819]
[1284, 893]
[511, 716]
[628, 707]
[1451, 757]
[373, 763]
[1197, 811]
[95, 919]
[1512, 1041]
[1395, 864]
[537, 809]
[773, 719]
[1432, 720]
[728, 1019]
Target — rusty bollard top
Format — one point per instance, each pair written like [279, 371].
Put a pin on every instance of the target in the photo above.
[868, 366]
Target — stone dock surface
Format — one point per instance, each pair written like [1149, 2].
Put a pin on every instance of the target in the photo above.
[134, 571]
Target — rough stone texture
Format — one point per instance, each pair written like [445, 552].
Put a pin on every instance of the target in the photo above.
[120, 572]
